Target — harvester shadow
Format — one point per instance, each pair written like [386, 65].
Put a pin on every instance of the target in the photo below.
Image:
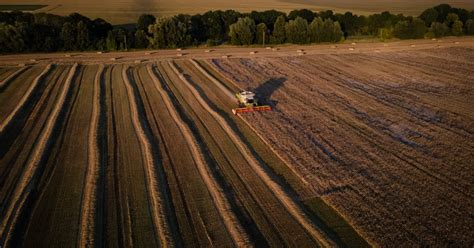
[265, 91]
[269, 87]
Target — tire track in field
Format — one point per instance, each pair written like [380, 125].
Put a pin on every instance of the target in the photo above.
[232, 97]
[11, 77]
[230, 220]
[25, 186]
[87, 226]
[157, 208]
[24, 99]
[296, 211]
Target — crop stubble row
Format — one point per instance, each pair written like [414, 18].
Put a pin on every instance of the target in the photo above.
[96, 146]
[392, 146]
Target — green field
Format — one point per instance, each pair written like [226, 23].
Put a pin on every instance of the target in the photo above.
[21, 7]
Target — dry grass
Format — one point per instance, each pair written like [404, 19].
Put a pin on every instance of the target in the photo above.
[385, 138]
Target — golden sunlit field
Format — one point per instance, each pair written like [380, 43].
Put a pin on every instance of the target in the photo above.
[367, 145]
[127, 11]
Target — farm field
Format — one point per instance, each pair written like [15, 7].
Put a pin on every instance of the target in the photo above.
[138, 155]
[364, 147]
[128, 11]
[385, 138]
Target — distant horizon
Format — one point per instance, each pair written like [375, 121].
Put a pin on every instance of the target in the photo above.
[127, 11]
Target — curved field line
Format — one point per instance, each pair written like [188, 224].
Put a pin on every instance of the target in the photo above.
[228, 93]
[158, 212]
[212, 79]
[7, 80]
[230, 220]
[278, 191]
[25, 185]
[25, 98]
[87, 227]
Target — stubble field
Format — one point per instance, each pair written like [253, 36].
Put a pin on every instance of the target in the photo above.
[364, 147]
[387, 138]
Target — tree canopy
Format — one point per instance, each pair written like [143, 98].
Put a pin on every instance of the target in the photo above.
[31, 32]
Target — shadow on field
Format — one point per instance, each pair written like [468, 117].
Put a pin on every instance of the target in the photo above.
[266, 90]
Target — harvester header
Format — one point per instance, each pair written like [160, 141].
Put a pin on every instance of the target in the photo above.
[248, 102]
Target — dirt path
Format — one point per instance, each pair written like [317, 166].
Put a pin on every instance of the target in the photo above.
[241, 52]
[87, 227]
[24, 99]
[23, 187]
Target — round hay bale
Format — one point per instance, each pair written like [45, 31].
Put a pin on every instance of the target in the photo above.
[412, 45]
[225, 56]
[456, 42]
[333, 47]
[99, 52]
[22, 65]
[385, 45]
[208, 51]
[32, 60]
[253, 52]
[179, 55]
[113, 59]
[299, 50]
[179, 49]
[138, 61]
[353, 43]
[351, 49]
[268, 47]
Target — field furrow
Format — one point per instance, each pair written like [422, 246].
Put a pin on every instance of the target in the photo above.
[364, 147]
[329, 219]
[379, 137]
[129, 218]
[279, 192]
[5, 81]
[238, 161]
[157, 206]
[230, 220]
[16, 201]
[87, 228]
[22, 101]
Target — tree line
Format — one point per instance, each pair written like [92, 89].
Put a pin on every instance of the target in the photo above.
[42, 32]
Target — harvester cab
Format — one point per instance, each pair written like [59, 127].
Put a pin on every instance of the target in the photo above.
[248, 102]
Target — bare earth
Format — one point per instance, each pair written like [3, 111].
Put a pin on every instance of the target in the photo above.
[141, 147]
[127, 11]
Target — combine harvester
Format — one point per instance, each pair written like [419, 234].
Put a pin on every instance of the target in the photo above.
[248, 103]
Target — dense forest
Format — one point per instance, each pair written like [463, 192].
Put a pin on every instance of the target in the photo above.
[41, 32]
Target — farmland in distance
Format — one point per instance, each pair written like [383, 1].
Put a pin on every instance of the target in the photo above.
[367, 145]
[127, 11]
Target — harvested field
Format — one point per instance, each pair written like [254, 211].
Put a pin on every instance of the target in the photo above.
[361, 149]
[385, 138]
